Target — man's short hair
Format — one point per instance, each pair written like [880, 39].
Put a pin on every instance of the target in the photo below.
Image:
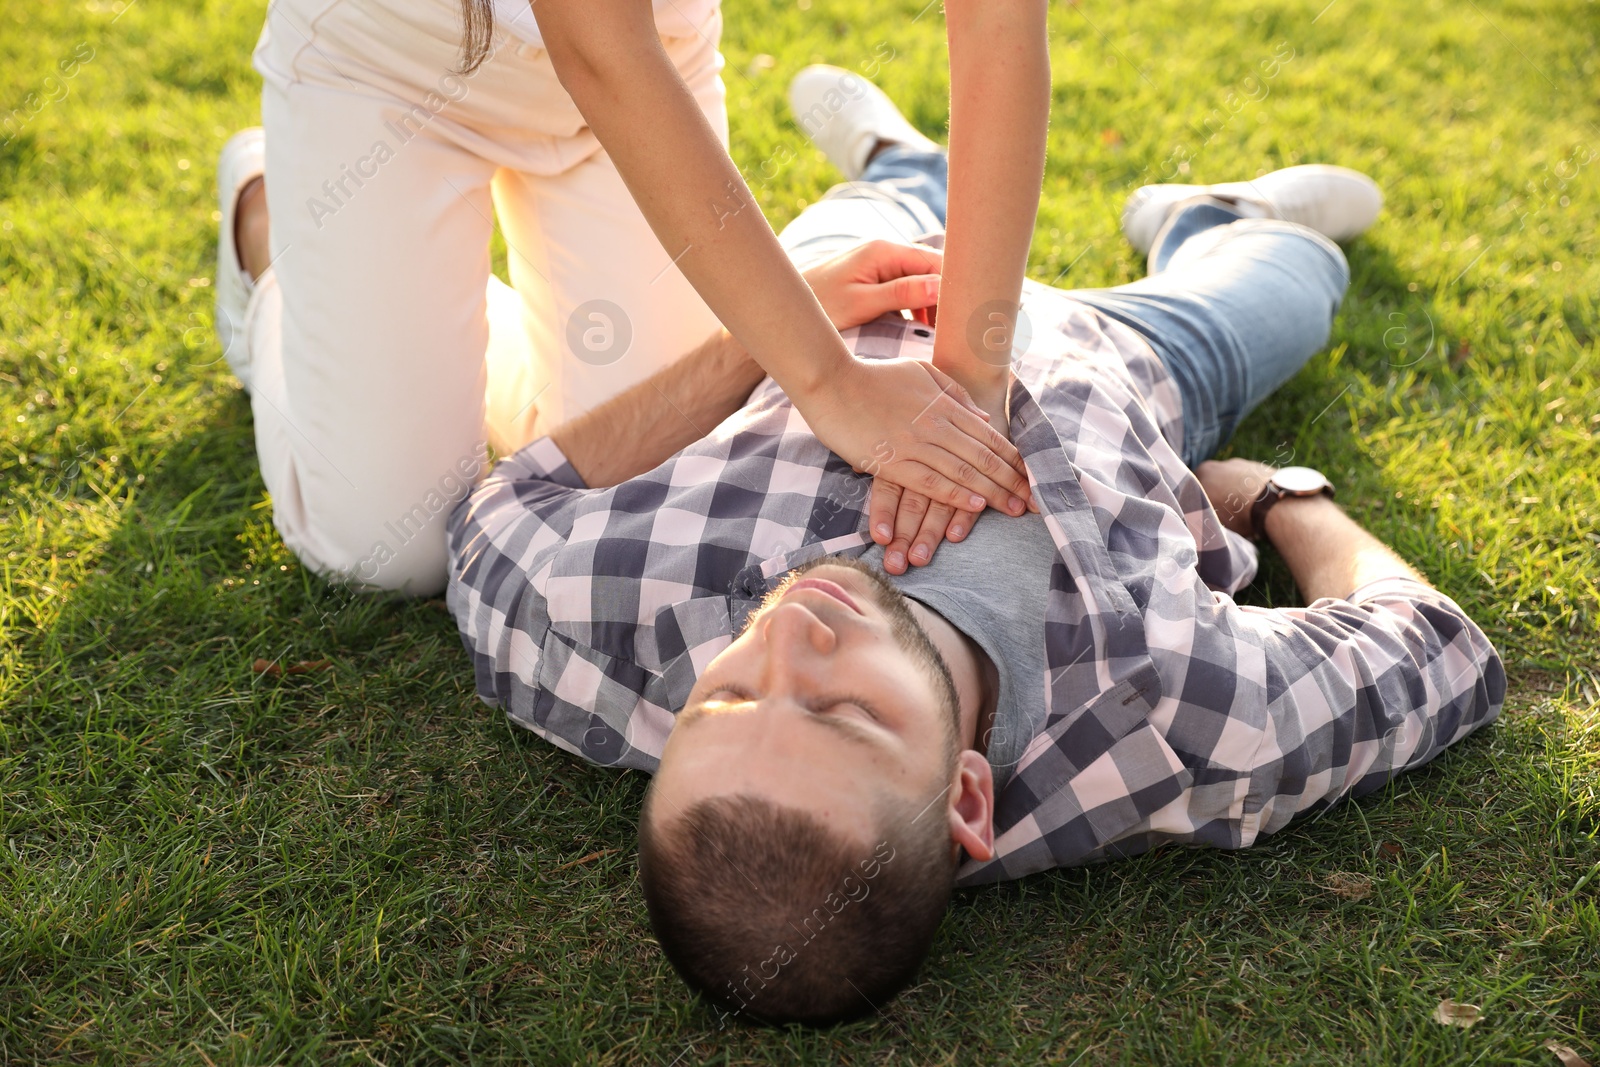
[770, 914]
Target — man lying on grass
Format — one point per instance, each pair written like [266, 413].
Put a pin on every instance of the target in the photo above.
[684, 581]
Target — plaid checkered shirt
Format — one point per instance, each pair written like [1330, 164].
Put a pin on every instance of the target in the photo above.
[1170, 713]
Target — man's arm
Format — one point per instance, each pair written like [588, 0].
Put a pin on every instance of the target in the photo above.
[1378, 674]
[1400, 668]
[1328, 553]
[638, 429]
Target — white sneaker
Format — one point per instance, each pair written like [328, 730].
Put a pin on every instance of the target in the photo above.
[243, 159]
[1337, 202]
[845, 115]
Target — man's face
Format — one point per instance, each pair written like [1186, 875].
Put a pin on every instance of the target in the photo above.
[832, 697]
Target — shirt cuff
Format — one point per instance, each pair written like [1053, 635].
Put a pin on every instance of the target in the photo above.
[1246, 559]
[543, 460]
[1408, 588]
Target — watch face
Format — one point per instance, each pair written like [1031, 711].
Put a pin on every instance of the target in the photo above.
[1300, 481]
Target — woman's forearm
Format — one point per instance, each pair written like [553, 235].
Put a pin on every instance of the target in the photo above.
[999, 118]
[609, 59]
[906, 421]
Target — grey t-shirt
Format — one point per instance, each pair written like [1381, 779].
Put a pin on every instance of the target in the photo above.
[992, 587]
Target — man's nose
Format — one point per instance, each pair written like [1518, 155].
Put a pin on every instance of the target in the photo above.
[796, 639]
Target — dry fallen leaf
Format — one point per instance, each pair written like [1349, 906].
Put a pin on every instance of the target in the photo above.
[1450, 1013]
[1390, 851]
[1567, 1056]
[584, 859]
[1350, 886]
[305, 666]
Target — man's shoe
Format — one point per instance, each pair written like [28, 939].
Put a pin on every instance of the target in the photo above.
[845, 115]
[1337, 202]
[243, 159]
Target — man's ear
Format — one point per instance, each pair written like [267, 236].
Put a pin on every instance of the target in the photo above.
[971, 806]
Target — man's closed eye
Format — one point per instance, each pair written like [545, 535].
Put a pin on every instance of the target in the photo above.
[827, 709]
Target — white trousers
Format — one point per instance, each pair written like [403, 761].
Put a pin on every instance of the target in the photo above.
[381, 354]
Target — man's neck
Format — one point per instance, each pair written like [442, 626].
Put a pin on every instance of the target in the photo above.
[974, 673]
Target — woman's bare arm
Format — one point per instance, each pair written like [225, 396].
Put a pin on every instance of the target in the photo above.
[999, 117]
[639, 428]
[610, 60]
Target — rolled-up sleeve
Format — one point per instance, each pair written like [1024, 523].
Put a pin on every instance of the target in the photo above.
[506, 538]
[1360, 689]
[518, 515]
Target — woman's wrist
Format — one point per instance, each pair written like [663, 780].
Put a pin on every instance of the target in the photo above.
[815, 379]
[987, 382]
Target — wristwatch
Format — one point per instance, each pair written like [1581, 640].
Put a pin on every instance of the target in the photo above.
[1288, 482]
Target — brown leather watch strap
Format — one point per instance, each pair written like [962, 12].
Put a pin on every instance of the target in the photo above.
[1272, 493]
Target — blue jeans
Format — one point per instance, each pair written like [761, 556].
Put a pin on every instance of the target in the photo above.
[1233, 309]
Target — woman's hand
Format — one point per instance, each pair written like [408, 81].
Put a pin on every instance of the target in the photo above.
[873, 278]
[898, 415]
[904, 421]
[859, 286]
[911, 527]
[911, 424]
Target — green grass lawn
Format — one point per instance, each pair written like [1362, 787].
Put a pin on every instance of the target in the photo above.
[202, 864]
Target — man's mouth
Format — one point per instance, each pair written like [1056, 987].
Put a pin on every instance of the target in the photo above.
[833, 589]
